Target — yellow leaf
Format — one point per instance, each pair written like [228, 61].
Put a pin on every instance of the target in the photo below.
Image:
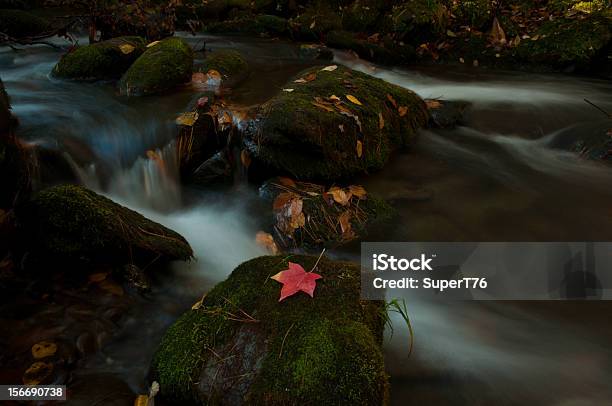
[127, 48]
[152, 44]
[187, 119]
[329, 68]
[359, 149]
[37, 373]
[199, 303]
[141, 400]
[358, 191]
[213, 74]
[43, 349]
[381, 121]
[339, 195]
[345, 222]
[402, 110]
[353, 99]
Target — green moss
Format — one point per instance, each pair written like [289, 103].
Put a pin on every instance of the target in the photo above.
[70, 221]
[296, 137]
[227, 62]
[103, 60]
[417, 20]
[314, 22]
[161, 67]
[305, 350]
[19, 24]
[362, 15]
[564, 41]
[475, 13]
[248, 24]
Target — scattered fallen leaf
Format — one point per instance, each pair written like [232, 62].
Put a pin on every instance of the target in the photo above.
[288, 90]
[312, 25]
[152, 44]
[345, 222]
[142, 400]
[266, 241]
[497, 36]
[358, 191]
[353, 99]
[402, 110]
[281, 200]
[323, 106]
[341, 127]
[359, 149]
[286, 181]
[245, 158]
[296, 279]
[392, 100]
[334, 98]
[451, 34]
[339, 195]
[381, 121]
[188, 119]
[461, 60]
[199, 303]
[127, 48]
[43, 349]
[330, 68]
[98, 277]
[214, 75]
[37, 373]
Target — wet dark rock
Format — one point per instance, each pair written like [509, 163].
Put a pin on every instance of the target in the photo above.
[591, 140]
[161, 67]
[72, 223]
[217, 170]
[100, 389]
[446, 114]
[102, 60]
[21, 24]
[51, 167]
[135, 278]
[385, 52]
[310, 52]
[309, 135]
[6, 119]
[263, 25]
[86, 344]
[288, 353]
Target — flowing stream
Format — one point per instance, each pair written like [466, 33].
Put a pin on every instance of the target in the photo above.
[496, 178]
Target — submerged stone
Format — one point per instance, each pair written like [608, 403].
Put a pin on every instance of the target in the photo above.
[103, 60]
[70, 222]
[333, 124]
[161, 67]
[242, 346]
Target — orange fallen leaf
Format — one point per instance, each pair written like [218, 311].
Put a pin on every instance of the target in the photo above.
[126, 48]
[353, 99]
[358, 191]
[286, 181]
[281, 200]
[188, 119]
[402, 110]
[433, 104]
[43, 349]
[266, 241]
[339, 195]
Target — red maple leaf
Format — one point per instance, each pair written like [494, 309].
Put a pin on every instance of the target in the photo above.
[295, 279]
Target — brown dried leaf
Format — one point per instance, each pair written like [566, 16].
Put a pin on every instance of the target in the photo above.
[266, 241]
[245, 158]
[37, 373]
[359, 149]
[188, 119]
[127, 48]
[339, 195]
[97, 277]
[433, 104]
[43, 349]
[111, 287]
[358, 191]
[322, 106]
[281, 200]
[381, 121]
[286, 181]
[345, 222]
[402, 110]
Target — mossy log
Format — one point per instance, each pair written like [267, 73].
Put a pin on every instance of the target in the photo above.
[161, 67]
[103, 60]
[70, 222]
[316, 132]
[243, 346]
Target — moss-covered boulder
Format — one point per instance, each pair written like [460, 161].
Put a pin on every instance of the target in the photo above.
[228, 62]
[417, 20]
[103, 60]
[569, 41]
[243, 346]
[21, 24]
[70, 222]
[363, 15]
[161, 67]
[333, 123]
[314, 22]
[311, 215]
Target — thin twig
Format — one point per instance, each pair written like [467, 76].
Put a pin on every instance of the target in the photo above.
[609, 115]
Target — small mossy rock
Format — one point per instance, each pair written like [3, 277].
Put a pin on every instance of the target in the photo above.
[161, 67]
[311, 52]
[103, 60]
[315, 22]
[14, 173]
[303, 350]
[21, 24]
[563, 41]
[308, 134]
[228, 62]
[70, 222]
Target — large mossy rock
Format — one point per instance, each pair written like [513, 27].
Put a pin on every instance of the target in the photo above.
[21, 24]
[103, 60]
[243, 346]
[569, 41]
[70, 222]
[316, 132]
[228, 62]
[161, 67]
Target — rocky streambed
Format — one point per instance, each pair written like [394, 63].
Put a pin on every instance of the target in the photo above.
[243, 148]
